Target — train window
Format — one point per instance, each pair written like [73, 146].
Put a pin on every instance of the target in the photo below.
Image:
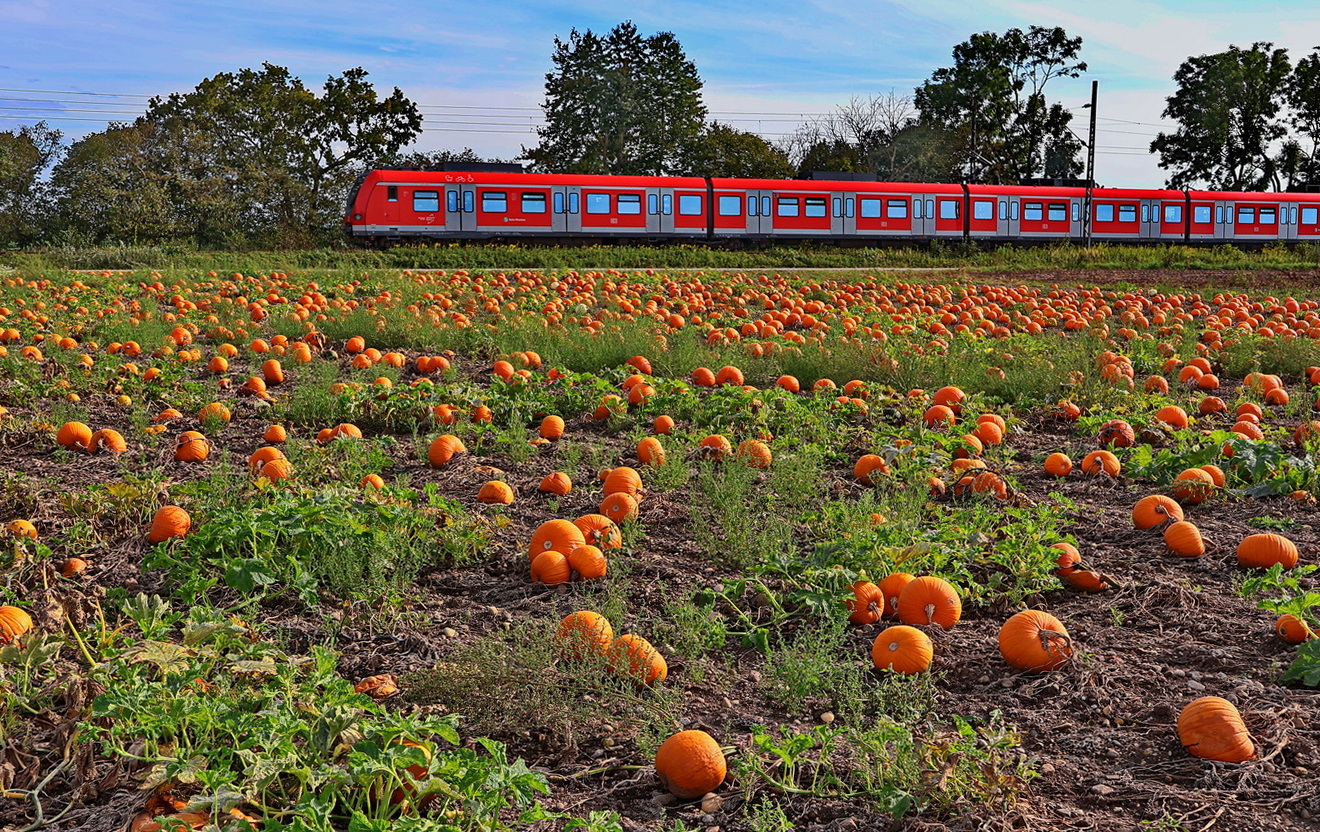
[629, 203]
[765, 206]
[1104, 212]
[426, 202]
[870, 207]
[1145, 212]
[1013, 210]
[815, 207]
[1003, 210]
[983, 209]
[573, 200]
[729, 205]
[392, 193]
[451, 202]
[1058, 212]
[689, 205]
[1246, 215]
[494, 202]
[838, 207]
[1033, 211]
[849, 206]
[786, 206]
[751, 206]
[897, 208]
[653, 204]
[916, 209]
[1292, 220]
[468, 202]
[1310, 216]
[598, 203]
[532, 202]
[1200, 213]
[1269, 216]
[949, 209]
[667, 204]
[1219, 213]
[559, 202]
[930, 208]
[1076, 212]
[1127, 213]
[1173, 213]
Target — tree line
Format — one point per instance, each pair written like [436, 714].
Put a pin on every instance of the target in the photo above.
[256, 158]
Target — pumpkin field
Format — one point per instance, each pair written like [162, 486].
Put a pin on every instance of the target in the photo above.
[355, 551]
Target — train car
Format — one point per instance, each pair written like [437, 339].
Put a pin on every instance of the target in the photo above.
[393, 206]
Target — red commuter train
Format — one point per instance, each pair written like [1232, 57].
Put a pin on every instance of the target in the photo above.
[395, 206]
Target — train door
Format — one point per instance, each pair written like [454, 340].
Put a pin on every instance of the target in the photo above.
[1075, 219]
[1224, 220]
[1012, 225]
[567, 208]
[923, 215]
[843, 210]
[657, 220]
[460, 208]
[760, 222]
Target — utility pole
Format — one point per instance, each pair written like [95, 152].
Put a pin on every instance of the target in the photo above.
[1090, 167]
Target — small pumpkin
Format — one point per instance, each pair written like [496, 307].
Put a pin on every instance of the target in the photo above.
[1264, 550]
[559, 535]
[1117, 433]
[929, 600]
[14, 622]
[690, 764]
[663, 424]
[588, 562]
[557, 483]
[1184, 539]
[192, 446]
[754, 453]
[869, 468]
[275, 433]
[583, 634]
[902, 649]
[215, 411]
[108, 439]
[21, 528]
[619, 507]
[1193, 486]
[715, 447]
[1154, 510]
[1101, 462]
[650, 451]
[600, 531]
[1034, 641]
[890, 588]
[865, 607]
[372, 481]
[1292, 629]
[75, 436]
[495, 492]
[169, 522]
[624, 480]
[550, 567]
[1212, 728]
[443, 449]
[552, 427]
[1058, 464]
[277, 469]
[634, 657]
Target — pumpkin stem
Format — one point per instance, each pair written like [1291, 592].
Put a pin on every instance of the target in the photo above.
[930, 613]
[1048, 642]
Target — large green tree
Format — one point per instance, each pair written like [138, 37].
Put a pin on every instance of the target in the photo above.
[992, 103]
[25, 154]
[289, 154]
[619, 104]
[1228, 109]
[1299, 160]
[726, 151]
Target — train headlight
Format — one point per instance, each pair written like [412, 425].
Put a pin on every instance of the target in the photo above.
[357, 216]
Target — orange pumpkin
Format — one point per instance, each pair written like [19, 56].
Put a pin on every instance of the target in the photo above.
[1212, 728]
[14, 622]
[600, 531]
[754, 453]
[558, 535]
[550, 567]
[1264, 550]
[690, 764]
[1034, 641]
[496, 492]
[650, 451]
[588, 562]
[1292, 629]
[169, 522]
[557, 483]
[902, 649]
[929, 600]
[634, 657]
[584, 634]
[1154, 510]
[619, 506]
[443, 449]
[1184, 540]
[865, 605]
[890, 588]
[552, 427]
[75, 436]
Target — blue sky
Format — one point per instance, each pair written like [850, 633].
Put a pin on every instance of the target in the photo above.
[478, 68]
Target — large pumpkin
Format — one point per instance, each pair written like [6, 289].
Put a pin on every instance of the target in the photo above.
[902, 649]
[1265, 550]
[1212, 728]
[169, 522]
[1034, 641]
[583, 634]
[634, 657]
[929, 600]
[690, 764]
[1154, 510]
[443, 449]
